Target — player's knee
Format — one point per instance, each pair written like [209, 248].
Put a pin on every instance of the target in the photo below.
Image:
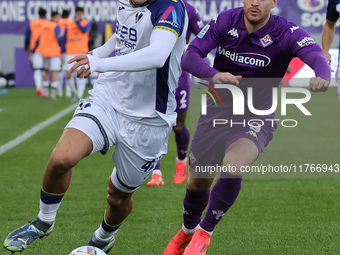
[60, 162]
[199, 184]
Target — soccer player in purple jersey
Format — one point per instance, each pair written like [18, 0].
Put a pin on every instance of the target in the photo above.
[182, 135]
[254, 49]
[328, 32]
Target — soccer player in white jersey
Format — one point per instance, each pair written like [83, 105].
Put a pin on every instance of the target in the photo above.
[131, 106]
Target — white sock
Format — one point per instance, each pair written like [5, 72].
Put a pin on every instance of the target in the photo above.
[48, 212]
[103, 236]
[37, 77]
[60, 82]
[70, 85]
[157, 171]
[45, 85]
[188, 231]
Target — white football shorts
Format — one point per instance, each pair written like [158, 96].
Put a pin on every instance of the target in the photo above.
[52, 64]
[37, 61]
[140, 143]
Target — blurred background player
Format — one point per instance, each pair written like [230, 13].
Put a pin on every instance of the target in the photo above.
[49, 45]
[328, 33]
[252, 34]
[32, 34]
[77, 42]
[182, 135]
[63, 24]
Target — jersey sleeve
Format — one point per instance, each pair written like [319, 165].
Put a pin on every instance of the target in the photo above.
[209, 37]
[332, 14]
[169, 15]
[84, 25]
[205, 41]
[297, 42]
[195, 21]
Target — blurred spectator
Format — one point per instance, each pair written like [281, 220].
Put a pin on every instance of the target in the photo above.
[77, 39]
[32, 34]
[49, 45]
[63, 24]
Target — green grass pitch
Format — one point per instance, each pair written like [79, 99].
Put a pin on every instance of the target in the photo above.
[272, 215]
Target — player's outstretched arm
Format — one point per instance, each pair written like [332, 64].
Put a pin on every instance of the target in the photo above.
[317, 61]
[193, 62]
[106, 49]
[150, 57]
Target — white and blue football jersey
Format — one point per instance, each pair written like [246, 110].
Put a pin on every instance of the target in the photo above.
[150, 93]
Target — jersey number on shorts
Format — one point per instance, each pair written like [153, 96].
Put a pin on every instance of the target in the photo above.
[149, 166]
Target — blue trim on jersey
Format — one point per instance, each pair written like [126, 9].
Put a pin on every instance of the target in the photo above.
[174, 15]
[102, 131]
[162, 88]
[175, 20]
[85, 28]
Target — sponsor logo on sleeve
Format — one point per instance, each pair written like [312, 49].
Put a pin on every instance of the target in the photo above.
[306, 41]
[203, 31]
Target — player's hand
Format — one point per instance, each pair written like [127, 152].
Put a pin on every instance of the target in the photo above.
[317, 84]
[221, 78]
[82, 61]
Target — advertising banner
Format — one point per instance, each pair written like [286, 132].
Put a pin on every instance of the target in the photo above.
[15, 15]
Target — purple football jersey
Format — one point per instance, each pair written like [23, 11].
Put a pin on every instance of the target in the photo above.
[195, 22]
[261, 57]
[195, 25]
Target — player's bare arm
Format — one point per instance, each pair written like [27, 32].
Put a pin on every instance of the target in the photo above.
[327, 38]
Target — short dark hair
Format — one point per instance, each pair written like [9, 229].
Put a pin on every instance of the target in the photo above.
[42, 13]
[79, 9]
[54, 13]
[65, 13]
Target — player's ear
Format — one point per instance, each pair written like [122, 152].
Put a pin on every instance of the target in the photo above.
[274, 4]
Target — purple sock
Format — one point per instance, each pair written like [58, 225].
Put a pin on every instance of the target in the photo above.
[222, 197]
[158, 165]
[193, 206]
[182, 140]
